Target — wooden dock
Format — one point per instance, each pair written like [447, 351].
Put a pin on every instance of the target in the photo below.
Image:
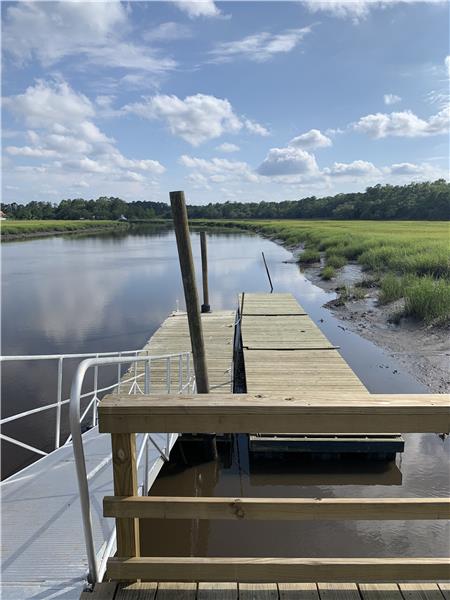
[286, 353]
[269, 591]
[173, 337]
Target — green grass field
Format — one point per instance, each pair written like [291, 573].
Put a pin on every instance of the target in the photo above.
[414, 254]
[17, 228]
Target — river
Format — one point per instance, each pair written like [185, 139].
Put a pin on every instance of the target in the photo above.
[109, 292]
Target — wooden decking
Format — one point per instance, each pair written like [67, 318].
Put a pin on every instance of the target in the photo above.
[173, 337]
[285, 352]
[269, 591]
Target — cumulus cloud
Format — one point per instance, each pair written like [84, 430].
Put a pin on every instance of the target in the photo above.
[288, 161]
[408, 169]
[219, 167]
[391, 99]
[196, 119]
[51, 31]
[227, 147]
[403, 124]
[259, 47]
[311, 140]
[447, 65]
[357, 168]
[62, 124]
[256, 128]
[198, 8]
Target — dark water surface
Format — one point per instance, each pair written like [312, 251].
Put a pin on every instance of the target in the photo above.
[110, 292]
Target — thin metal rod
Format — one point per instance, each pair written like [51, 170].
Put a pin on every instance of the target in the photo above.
[267, 271]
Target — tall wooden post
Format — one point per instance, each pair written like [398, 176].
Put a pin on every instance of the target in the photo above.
[205, 306]
[180, 222]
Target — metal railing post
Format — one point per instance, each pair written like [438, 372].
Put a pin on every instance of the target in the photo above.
[58, 407]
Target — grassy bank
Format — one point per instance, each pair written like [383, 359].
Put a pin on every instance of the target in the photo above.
[22, 229]
[410, 257]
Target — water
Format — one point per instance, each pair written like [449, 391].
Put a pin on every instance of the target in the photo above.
[110, 292]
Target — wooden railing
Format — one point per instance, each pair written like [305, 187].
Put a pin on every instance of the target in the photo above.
[123, 416]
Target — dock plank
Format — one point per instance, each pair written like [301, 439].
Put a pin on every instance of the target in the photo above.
[136, 591]
[217, 591]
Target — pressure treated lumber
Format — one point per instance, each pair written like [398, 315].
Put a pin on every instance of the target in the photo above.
[311, 412]
[262, 570]
[310, 509]
[125, 484]
[180, 222]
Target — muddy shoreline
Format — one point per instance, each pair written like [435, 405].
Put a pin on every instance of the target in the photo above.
[423, 351]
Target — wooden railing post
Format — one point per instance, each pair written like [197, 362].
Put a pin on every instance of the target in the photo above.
[125, 484]
[180, 221]
[204, 250]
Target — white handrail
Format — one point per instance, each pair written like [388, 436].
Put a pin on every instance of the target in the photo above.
[77, 442]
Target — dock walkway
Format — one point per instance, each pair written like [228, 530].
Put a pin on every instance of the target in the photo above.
[270, 591]
[43, 553]
[285, 351]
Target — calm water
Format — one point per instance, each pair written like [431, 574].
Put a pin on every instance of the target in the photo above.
[110, 292]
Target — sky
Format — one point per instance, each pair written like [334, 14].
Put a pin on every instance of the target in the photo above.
[228, 101]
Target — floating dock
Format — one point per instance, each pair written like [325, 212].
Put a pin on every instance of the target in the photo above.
[284, 352]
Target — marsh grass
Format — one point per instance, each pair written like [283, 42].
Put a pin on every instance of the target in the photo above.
[328, 273]
[336, 261]
[309, 256]
[11, 227]
[417, 250]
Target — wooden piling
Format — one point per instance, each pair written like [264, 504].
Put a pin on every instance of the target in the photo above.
[204, 251]
[180, 221]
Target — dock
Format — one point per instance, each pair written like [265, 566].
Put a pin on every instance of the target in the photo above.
[43, 553]
[284, 351]
[271, 591]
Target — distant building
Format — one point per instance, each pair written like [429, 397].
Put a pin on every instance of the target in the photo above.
[3, 216]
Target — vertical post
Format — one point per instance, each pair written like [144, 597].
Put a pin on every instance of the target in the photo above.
[205, 306]
[58, 407]
[180, 221]
[125, 484]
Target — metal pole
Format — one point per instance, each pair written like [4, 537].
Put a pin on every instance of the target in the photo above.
[267, 271]
[58, 408]
[205, 306]
[180, 221]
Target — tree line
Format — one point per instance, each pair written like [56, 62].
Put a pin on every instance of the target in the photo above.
[414, 201]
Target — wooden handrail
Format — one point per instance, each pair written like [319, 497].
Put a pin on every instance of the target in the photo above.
[306, 413]
[178, 507]
[279, 569]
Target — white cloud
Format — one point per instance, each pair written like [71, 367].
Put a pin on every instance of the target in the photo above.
[196, 119]
[227, 147]
[219, 166]
[166, 32]
[288, 161]
[65, 130]
[408, 169]
[357, 168]
[198, 8]
[391, 99]
[311, 140]
[403, 124]
[30, 152]
[259, 47]
[51, 31]
[356, 9]
[43, 104]
[447, 65]
[256, 128]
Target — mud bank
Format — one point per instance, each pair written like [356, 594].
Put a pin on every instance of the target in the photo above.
[422, 350]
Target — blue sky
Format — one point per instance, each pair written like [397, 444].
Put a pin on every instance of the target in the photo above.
[240, 101]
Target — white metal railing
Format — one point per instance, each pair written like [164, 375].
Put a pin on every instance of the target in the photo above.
[134, 378]
[185, 382]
